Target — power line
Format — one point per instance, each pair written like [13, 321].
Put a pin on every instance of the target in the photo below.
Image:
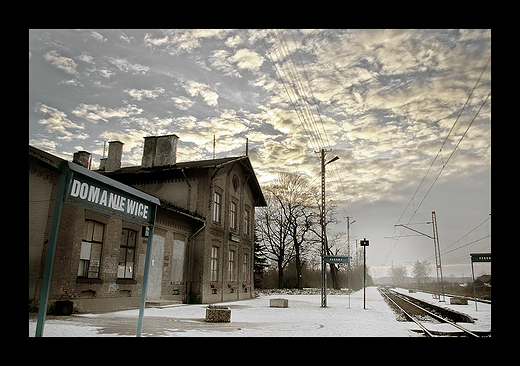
[296, 90]
[444, 142]
[391, 248]
[488, 234]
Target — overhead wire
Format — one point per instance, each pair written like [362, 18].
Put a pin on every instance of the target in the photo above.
[444, 142]
[279, 71]
[391, 248]
[446, 251]
[299, 89]
[294, 85]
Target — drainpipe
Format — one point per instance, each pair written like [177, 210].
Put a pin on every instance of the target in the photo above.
[189, 279]
[189, 190]
[198, 231]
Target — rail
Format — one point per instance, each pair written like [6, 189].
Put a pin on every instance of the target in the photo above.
[425, 330]
[433, 315]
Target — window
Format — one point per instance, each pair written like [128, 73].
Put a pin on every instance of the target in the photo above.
[245, 268]
[91, 246]
[214, 264]
[246, 222]
[231, 265]
[233, 223]
[217, 198]
[125, 266]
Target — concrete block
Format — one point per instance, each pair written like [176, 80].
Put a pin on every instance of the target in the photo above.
[458, 301]
[218, 314]
[279, 303]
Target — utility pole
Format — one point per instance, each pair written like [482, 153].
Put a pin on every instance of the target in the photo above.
[437, 250]
[323, 228]
[348, 234]
[438, 266]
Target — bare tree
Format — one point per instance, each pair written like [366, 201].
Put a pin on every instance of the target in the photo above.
[421, 271]
[296, 197]
[331, 248]
[274, 233]
[398, 274]
[288, 223]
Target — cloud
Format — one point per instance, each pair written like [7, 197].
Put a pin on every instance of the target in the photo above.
[61, 62]
[220, 59]
[98, 36]
[247, 59]
[195, 88]
[85, 57]
[139, 94]
[94, 112]
[126, 66]
[244, 58]
[183, 103]
[57, 124]
[177, 40]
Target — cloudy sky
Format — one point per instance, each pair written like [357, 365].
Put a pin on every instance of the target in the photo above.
[384, 101]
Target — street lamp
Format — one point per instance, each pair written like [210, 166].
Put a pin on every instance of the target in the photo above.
[323, 226]
[332, 160]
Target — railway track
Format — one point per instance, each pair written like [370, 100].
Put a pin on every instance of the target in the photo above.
[418, 314]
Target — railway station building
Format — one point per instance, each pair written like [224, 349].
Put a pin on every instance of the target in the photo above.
[203, 244]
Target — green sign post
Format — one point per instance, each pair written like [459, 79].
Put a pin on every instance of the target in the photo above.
[478, 257]
[340, 259]
[84, 188]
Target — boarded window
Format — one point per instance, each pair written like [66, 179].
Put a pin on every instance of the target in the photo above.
[91, 247]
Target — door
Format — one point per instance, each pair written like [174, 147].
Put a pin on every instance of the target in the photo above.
[153, 292]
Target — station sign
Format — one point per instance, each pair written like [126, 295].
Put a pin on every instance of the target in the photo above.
[96, 192]
[84, 188]
[481, 257]
[336, 259]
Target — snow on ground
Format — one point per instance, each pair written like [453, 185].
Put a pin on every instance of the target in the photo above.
[249, 318]
[482, 316]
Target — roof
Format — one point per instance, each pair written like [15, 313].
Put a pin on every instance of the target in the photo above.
[54, 162]
[45, 157]
[200, 164]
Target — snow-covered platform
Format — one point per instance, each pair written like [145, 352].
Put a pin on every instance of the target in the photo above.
[250, 318]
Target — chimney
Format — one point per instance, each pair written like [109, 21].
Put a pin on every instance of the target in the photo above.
[159, 151]
[102, 163]
[82, 158]
[115, 151]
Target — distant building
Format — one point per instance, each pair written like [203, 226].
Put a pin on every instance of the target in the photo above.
[484, 279]
[203, 239]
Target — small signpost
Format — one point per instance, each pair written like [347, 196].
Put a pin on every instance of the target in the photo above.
[364, 243]
[478, 257]
[339, 259]
[84, 188]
